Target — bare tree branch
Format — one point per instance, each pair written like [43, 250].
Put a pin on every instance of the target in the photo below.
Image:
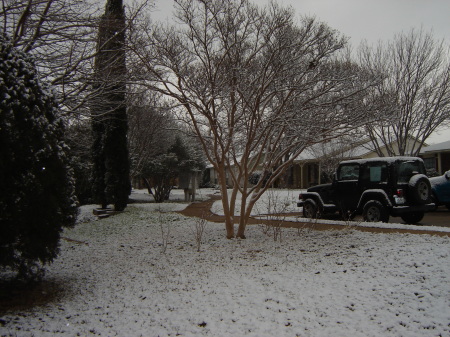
[415, 94]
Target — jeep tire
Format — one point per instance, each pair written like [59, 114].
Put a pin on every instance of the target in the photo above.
[412, 217]
[420, 190]
[374, 211]
[310, 209]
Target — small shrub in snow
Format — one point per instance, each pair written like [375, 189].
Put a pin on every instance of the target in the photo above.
[276, 209]
[200, 225]
[36, 185]
[164, 226]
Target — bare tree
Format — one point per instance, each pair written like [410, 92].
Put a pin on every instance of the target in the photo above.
[199, 229]
[62, 34]
[255, 87]
[415, 94]
[151, 130]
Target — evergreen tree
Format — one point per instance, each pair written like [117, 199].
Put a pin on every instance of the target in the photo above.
[190, 158]
[98, 162]
[160, 173]
[111, 168]
[37, 194]
[80, 143]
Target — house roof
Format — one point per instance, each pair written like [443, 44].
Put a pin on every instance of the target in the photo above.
[444, 146]
[356, 150]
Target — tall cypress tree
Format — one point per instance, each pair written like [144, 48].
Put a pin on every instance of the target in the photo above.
[111, 181]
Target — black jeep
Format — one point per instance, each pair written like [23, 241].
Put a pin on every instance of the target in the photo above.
[375, 188]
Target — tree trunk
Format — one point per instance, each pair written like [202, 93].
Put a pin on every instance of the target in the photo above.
[243, 218]
[229, 223]
[147, 184]
[233, 201]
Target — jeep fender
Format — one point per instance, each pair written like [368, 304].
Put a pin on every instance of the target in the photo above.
[321, 205]
[314, 196]
[374, 194]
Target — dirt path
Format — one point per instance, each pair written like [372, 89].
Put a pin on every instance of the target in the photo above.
[203, 210]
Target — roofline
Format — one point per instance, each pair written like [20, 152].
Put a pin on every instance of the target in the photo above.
[375, 159]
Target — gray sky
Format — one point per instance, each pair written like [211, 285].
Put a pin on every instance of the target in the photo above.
[371, 20]
[376, 20]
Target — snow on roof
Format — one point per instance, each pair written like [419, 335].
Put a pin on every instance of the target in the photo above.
[357, 150]
[444, 146]
[305, 155]
[384, 159]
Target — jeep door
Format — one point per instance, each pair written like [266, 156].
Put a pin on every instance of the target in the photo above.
[346, 191]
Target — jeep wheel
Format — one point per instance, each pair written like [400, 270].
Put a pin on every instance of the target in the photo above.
[420, 192]
[374, 211]
[310, 209]
[413, 217]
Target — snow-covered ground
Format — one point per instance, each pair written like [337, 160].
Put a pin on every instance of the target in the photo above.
[139, 273]
[272, 200]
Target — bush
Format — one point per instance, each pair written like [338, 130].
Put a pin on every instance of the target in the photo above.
[161, 172]
[36, 185]
[256, 176]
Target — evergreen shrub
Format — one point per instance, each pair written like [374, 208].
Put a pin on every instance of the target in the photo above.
[37, 195]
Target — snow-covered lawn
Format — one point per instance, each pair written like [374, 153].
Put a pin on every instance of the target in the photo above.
[274, 200]
[139, 274]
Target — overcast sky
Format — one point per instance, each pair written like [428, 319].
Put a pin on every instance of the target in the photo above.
[376, 20]
[371, 20]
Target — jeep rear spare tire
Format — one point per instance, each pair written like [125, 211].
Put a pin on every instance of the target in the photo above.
[374, 211]
[419, 189]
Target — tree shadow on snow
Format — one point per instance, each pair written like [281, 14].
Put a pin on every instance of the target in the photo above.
[17, 296]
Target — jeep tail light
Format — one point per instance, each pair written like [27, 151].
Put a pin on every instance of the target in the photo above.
[400, 193]
[300, 196]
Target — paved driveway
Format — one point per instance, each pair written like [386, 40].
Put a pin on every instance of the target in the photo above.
[441, 217]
